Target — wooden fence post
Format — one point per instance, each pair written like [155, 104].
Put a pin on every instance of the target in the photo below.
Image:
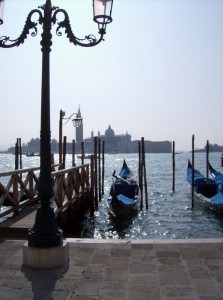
[64, 151]
[73, 153]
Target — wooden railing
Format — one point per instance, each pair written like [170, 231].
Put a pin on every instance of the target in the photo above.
[21, 188]
[68, 185]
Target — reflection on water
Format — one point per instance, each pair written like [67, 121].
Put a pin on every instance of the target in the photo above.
[169, 214]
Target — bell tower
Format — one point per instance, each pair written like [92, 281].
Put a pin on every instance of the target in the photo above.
[79, 130]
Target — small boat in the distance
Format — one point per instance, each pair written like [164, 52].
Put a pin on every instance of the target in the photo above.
[124, 193]
[30, 154]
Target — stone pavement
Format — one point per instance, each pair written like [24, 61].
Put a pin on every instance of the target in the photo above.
[118, 269]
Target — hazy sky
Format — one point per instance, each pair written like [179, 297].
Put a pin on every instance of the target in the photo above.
[157, 75]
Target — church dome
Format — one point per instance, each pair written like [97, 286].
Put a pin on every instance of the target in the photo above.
[109, 132]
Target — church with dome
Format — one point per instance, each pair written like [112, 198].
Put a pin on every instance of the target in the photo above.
[114, 143]
[118, 143]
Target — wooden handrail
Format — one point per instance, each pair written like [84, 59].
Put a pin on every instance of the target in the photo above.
[22, 190]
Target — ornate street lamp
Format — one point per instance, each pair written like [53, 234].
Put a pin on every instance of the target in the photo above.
[102, 11]
[77, 122]
[45, 232]
[1, 11]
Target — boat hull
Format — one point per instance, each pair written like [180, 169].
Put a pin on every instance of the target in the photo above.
[119, 209]
[208, 203]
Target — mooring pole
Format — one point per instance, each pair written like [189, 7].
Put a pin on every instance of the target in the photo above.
[173, 188]
[103, 166]
[192, 185]
[207, 159]
[140, 175]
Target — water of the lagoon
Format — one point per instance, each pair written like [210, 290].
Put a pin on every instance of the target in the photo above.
[169, 214]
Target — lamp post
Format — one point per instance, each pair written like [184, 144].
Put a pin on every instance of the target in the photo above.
[77, 121]
[45, 233]
[1, 11]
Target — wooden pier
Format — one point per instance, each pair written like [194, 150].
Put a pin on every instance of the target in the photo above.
[18, 226]
[73, 194]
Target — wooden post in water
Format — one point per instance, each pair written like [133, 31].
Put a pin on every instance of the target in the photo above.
[92, 188]
[62, 114]
[82, 153]
[52, 162]
[192, 184]
[140, 174]
[20, 153]
[173, 187]
[64, 151]
[144, 171]
[103, 166]
[99, 168]
[96, 171]
[16, 155]
[73, 153]
[207, 159]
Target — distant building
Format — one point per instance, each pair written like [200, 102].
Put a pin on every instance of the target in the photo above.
[120, 143]
[79, 130]
[114, 143]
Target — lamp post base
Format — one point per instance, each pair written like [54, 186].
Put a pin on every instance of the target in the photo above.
[45, 232]
[46, 257]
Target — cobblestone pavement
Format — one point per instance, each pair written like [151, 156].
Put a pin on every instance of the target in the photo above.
[118, 269]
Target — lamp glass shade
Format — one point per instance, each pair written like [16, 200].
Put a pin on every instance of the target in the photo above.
[102, 11]
[1, 9]
[77, 122]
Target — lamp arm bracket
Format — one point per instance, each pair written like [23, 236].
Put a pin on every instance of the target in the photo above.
[65, 24]
[6, 42]
[68, 119]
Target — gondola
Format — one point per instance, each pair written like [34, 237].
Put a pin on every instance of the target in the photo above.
[217, 177]
[124, 193]
[205, 190]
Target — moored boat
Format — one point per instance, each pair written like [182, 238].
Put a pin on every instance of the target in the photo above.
[124, 193]
[217, 177]
[205, 190]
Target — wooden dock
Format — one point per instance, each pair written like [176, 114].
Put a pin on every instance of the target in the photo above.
[18, 226]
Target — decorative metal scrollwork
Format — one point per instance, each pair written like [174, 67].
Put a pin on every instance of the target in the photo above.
[65, 24]
[6, 42]
[91, 40]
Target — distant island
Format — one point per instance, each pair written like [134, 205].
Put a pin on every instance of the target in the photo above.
[113, 145]
[33, 146]
[212, 148]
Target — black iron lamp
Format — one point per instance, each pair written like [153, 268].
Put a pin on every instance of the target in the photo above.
[1, 11]
[102, 12]
[77, 121]
[45, 232]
